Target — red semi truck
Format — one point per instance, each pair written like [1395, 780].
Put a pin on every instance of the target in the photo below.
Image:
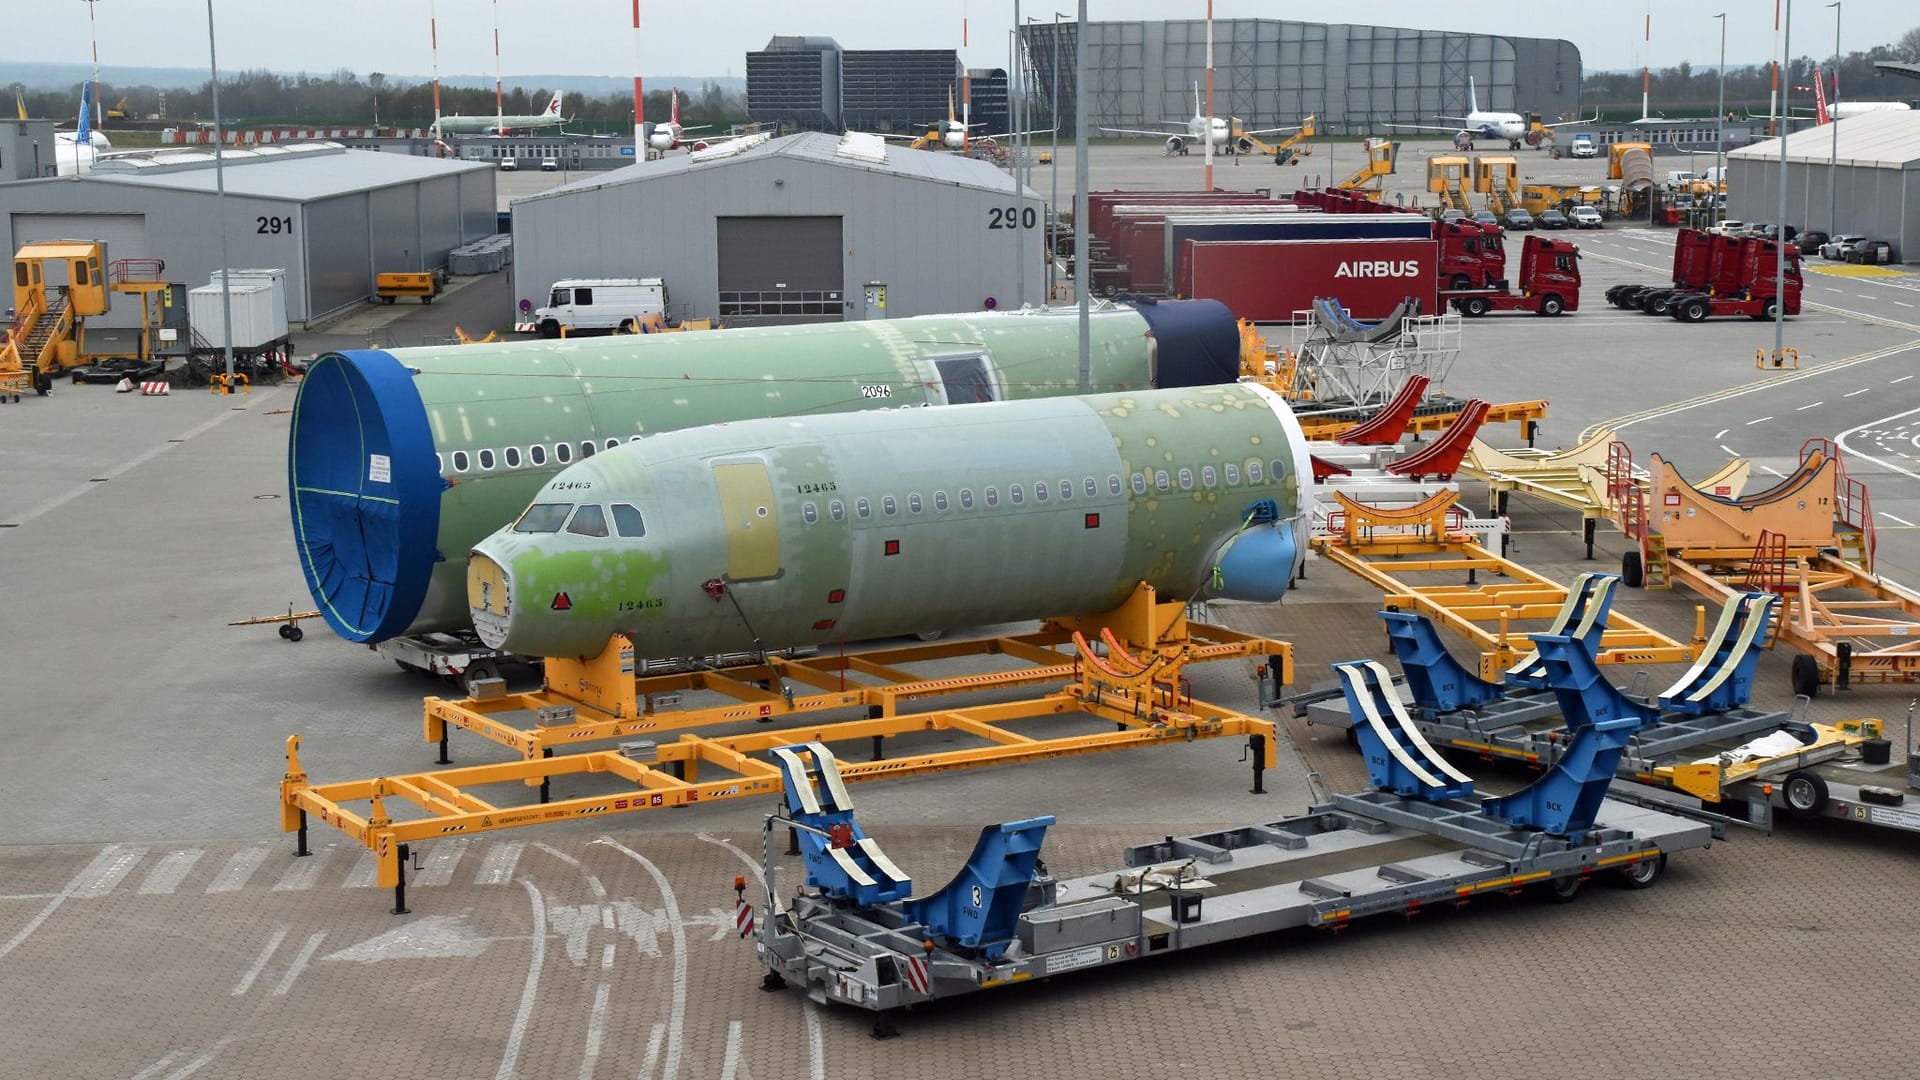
[1270, 280]
[1549, 283]
[1695, 270]
[1756, 262]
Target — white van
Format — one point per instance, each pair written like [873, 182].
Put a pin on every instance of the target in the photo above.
[604, 304]
[1584, 146]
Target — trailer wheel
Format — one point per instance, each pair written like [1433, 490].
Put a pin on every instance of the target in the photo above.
[1633, 573]
[1475, 306]
[476, 671]
[1643, 874]
[1562, 890]
[1806, 792]
[1806, 676]
[286, 631]
[1692, 311]
[1658, 303]
[294, 633]
[1552, 305]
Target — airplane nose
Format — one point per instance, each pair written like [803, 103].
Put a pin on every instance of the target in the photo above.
[489, 599]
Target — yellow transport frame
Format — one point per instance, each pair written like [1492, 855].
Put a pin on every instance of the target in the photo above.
[1385, 546]
[1135, 684]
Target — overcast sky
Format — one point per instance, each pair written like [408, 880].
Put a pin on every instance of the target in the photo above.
[593, 37]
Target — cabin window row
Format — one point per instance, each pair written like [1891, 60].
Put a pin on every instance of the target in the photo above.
[1254, 471]
[536, 456]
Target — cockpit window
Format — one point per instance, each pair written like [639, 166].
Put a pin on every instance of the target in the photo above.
[626, 521]
[589, 520]
[543, 518]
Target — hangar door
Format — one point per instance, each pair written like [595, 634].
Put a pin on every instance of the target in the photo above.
[777, 270]
[124, 234]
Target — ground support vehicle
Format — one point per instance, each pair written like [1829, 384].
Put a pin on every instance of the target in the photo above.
[1421, 836]
[1757, 286]
[390, 286]
[1847, 771]
[1693, 251]
[1549, 283]
[1122, 667]
[1518, 716]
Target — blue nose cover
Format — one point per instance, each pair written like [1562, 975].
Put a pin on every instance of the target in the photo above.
[1257, 565]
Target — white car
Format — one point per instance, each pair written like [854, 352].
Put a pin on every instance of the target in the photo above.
[509, 164]
[550, 165]
[1585, 217]
[1729, 227]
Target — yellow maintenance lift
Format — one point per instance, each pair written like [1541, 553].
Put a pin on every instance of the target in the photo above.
[1287, 151]
[1371, 175]
[1537, 197]
[1498, 178]
[1449, 177]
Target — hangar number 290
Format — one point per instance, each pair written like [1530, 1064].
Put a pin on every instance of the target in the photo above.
[1012, 217]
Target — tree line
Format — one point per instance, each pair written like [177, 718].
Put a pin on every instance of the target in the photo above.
[343, 99]
[1691, 88]
[263, 98]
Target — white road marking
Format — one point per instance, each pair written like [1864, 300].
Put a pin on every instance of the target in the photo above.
[1896, 520]
[1901, 379]
[596, 1030]
[89, 872]
[517, 1034]
[260, 963]
[1862, 390]
[115, 472]
[196, 1064]
[1862, 296]
[1722, 433]
[730, 1063]
[677, 1011]
[500, 860]
[1761, 420]
[303, 874]
[1901, 303]
[1774, 471]
[441, 860]
[816, 1036]
[655, 1038]
[108, 872]
[147, 1072]
[1810, 405]
[240, 866]
[1728, 450]
[167, 874]
[300, 961]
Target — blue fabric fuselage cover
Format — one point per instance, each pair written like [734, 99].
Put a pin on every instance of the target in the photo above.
[1196, 342]
[365, 491]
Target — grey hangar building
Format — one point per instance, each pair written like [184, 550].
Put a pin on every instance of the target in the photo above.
[331, 217]
[805, 228]
[1267, 72]
[1866, 168]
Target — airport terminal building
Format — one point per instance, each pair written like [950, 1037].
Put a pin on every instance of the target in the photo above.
[1272, 72]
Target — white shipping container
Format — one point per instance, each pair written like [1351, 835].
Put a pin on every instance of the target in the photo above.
[274, 276]
[253, 321]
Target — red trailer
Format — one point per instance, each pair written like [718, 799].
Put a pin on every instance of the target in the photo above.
[1270, 280]
[1137, 249]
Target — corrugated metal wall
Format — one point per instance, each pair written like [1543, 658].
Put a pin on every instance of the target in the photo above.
[1271, 72]
[1875, 202]
[337, 252]
[938, 247]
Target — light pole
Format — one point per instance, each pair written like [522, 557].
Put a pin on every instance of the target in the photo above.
[1019, 185]
[220, 203]
[94, 37]
[1716, 208]
[1780, 236]
[1053, 197]
[1833, 162]
[1081, 283]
